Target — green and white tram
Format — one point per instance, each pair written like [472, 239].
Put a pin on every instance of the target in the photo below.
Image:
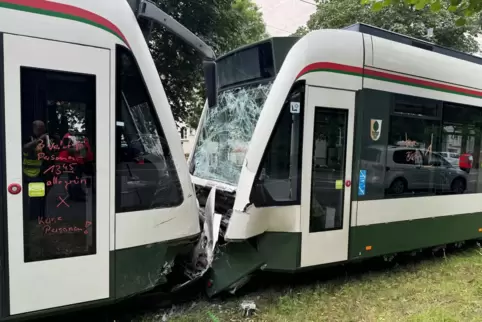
[96, 198]
[338, 146]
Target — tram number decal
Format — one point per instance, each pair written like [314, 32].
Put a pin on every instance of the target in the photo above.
[295, 107]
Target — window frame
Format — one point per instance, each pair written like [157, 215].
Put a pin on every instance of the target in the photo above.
[366, 111]
[4, 254]
[396, 97]
[92, 82]
[167, 154]
[301, 86]
[346, 114]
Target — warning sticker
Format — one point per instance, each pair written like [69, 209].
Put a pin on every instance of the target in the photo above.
[36, 189]
[339, 184]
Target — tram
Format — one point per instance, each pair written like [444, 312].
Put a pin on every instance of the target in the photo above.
[334, 147]
[96, 199]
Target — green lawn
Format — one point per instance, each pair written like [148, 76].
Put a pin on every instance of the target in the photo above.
[432, 289]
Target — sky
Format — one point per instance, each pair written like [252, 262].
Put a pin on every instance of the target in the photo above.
[283, 17]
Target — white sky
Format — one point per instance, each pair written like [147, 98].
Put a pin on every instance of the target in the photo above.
[283, 17]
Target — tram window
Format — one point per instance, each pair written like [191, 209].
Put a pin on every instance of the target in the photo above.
[279, 176]
[146, 177]
[412, 142]
[58, 161]
[461, 136]
[432, 147]
[416, 106]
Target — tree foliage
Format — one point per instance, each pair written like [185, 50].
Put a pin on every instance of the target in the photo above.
[222, 24]
[462, 8]
[398, 18]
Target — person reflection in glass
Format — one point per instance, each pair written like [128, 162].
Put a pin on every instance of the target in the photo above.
[34, 167]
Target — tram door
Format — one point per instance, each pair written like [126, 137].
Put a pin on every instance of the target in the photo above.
[56, 105]
[326, 183]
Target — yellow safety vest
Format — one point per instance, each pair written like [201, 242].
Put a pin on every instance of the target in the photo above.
[31, 167]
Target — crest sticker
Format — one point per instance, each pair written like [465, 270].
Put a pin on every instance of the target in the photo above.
[375, 129]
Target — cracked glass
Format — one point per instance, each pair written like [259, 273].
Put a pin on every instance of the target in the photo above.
[226, 132]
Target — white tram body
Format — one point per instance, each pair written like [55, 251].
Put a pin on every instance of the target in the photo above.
[83, 69]
[423, 100]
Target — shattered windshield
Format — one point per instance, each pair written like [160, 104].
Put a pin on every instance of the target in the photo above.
[227, 131]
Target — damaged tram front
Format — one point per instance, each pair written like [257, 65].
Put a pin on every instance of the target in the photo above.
[245, 79]
[331, 148]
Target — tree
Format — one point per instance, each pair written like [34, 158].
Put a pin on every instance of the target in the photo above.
[463, 8]
[222, 24]
[398, 18]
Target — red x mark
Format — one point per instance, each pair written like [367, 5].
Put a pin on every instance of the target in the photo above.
[62, 201]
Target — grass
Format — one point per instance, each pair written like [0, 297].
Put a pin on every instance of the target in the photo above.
[441, 289]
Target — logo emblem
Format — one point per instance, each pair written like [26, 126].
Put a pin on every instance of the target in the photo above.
[375, 129]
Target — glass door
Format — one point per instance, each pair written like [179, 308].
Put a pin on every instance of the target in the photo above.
[57, 99]
[326, 184]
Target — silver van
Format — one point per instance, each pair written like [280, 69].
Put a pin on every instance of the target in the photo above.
[410, 169]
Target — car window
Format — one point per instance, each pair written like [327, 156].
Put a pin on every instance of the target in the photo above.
[430, 159]
[408, 156]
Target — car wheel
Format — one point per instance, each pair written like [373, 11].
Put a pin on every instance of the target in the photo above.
[458, 186]
[398, 186]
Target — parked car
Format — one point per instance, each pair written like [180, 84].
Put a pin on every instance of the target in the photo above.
[403, 169]
[451, 157]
